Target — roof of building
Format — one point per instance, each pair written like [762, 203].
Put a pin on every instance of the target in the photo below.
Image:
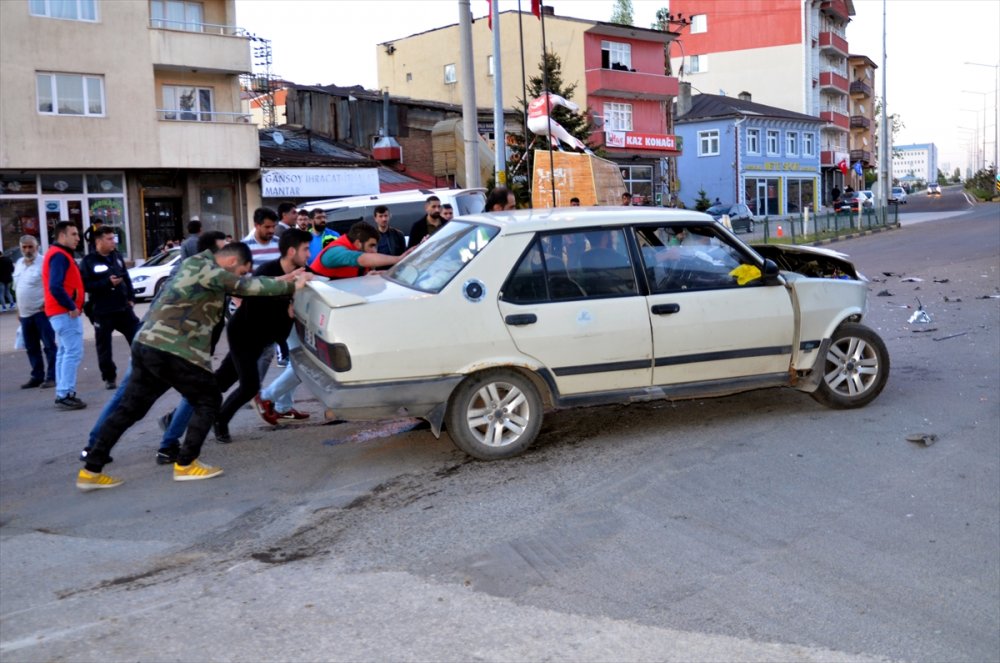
[709, 106]
[359, 92]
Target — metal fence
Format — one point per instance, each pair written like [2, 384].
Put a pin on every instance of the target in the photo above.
[798, 229]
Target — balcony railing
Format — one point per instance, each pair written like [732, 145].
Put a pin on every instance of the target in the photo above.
[831, 41]
[829, 80]
[860, 122]
[858, 87]
[838, 118]
[176, 115]
[190, 26]
[864, 156]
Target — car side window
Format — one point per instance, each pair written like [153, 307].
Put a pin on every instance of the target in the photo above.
[679, 258]
[574, 265]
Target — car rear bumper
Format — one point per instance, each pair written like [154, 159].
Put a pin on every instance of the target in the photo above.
[425, 398]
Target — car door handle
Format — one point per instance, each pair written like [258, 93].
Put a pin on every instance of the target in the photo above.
[521, 319]
[665, 309]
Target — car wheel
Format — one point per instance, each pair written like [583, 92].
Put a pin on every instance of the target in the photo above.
[855, 369]
[494, 414]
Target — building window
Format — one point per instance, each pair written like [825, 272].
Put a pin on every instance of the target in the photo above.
[409, 77]
[753, 141]
[615, 55]
[489, 65]
[70, 94]
[792, 143]
[808, 148]
[71, 10]
[697, 64]
[193, 104]
[449, 74]
[708, 143]
[772, 142]
[617, 117]
[177, 15]
[699, 23]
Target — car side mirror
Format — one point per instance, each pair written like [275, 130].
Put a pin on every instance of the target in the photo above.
[770, 272]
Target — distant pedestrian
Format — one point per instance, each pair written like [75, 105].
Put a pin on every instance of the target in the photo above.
[626, 199]
[35, 328]
[287, 215]
[447, 212]
[427, 225]
[302, 221]
[321, 234]
[64, 295]
[262, 241]
[88, 236]
[189, 246]
[6, 283]
[112, 299]
[574, 202]
[391, 242]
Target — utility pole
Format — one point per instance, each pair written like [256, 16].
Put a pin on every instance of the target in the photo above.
[499, 135]
[883, 133]
[467, 79]
[996, 112]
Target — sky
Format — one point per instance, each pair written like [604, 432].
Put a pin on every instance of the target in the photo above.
[939, 99]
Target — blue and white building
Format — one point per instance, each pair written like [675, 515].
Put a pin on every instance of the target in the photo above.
[919, 160]
[742, 152]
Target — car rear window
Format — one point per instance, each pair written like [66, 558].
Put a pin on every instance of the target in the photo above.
[432, 266]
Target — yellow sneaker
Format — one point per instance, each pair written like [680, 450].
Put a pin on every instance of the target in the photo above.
[87, 481]
[195, 471]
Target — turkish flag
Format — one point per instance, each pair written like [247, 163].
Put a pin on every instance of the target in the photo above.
[536, 8]
[842, 166]
[489, 13]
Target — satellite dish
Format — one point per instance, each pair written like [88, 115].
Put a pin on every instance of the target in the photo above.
[278, 138]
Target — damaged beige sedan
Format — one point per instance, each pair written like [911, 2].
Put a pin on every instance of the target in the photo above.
[500, 317]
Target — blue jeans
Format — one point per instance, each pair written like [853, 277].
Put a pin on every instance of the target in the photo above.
[38, 334]
[69, 337]
[110, 406]
[6, 295]
[281, 390]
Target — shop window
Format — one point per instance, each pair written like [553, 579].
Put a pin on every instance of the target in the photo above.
[70, 10]
[18, 184]
[69, 94]
[104, 183]
[58, 183]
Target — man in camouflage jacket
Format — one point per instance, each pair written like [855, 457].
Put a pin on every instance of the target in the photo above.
[173, 349]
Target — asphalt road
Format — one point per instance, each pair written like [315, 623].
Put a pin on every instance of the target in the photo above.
[761, 526]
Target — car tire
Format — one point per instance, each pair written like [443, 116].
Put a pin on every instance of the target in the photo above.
[494, 414]
[855, 369]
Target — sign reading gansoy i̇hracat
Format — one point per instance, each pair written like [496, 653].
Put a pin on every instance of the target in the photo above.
[317, 182]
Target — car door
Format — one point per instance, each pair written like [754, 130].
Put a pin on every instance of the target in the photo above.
[573, 303]
[712, 316]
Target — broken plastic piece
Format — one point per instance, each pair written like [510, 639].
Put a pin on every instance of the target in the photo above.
[945, 338]
[920, 317]
[884, 293]
[912, 279]
[926, 439]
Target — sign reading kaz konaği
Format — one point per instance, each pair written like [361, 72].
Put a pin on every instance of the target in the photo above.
[317, 182]
[629, 139]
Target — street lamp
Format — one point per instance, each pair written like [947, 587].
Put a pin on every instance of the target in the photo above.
[984, 122]
[996, 108]
[980, 156]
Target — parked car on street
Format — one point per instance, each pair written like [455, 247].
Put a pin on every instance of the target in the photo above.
[500, 316]
[898, 195]
[851, 201]
[934, 190]
[740, 217]
[150, 276]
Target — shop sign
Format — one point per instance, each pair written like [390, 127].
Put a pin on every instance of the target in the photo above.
[794, 166]
[318, 182]
[636, 141]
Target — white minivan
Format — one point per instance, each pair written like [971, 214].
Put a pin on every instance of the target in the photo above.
[406, 207]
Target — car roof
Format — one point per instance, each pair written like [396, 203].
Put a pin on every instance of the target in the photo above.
[388, 198]
[560, 218]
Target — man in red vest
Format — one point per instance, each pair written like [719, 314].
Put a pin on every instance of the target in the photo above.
[352, 254]
[63, 304]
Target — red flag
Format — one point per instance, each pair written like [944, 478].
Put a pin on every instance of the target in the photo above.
[536, 8]
[843, 166]
[489, 13]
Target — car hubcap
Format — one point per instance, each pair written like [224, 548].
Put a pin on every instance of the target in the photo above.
[498, 414]
[852, 366]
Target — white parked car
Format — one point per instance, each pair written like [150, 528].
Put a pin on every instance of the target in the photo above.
[500, 316]
[898, 195]
[150, 276]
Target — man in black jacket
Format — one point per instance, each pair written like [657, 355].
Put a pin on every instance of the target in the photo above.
[109, 288]
[258, 323]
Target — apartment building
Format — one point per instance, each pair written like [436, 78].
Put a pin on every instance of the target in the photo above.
[915, 163]
[863, 121]
[128, 112]
[618, 71]
[791, 54]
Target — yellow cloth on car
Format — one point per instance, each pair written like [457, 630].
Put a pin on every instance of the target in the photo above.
[745, 273]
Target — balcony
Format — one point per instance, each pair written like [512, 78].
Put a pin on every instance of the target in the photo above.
[833, 82]
[216, 49]
[837, 118]
[828, 158]
[831, 41]
[227, 144]
[858, 87]
[864, 156]
[860, 122]
[630, 85]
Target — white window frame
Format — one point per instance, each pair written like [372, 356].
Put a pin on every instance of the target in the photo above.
[699, 23]
[54, 93]
[450, 76]
[163, 22]
[753, 141]
[618, 52]
[178, 114]
[489, 65]
[808, 144]
[697, 64]
[773, 141]
[43, 8]
[792, 143]
[708, 143]
[617, 116]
